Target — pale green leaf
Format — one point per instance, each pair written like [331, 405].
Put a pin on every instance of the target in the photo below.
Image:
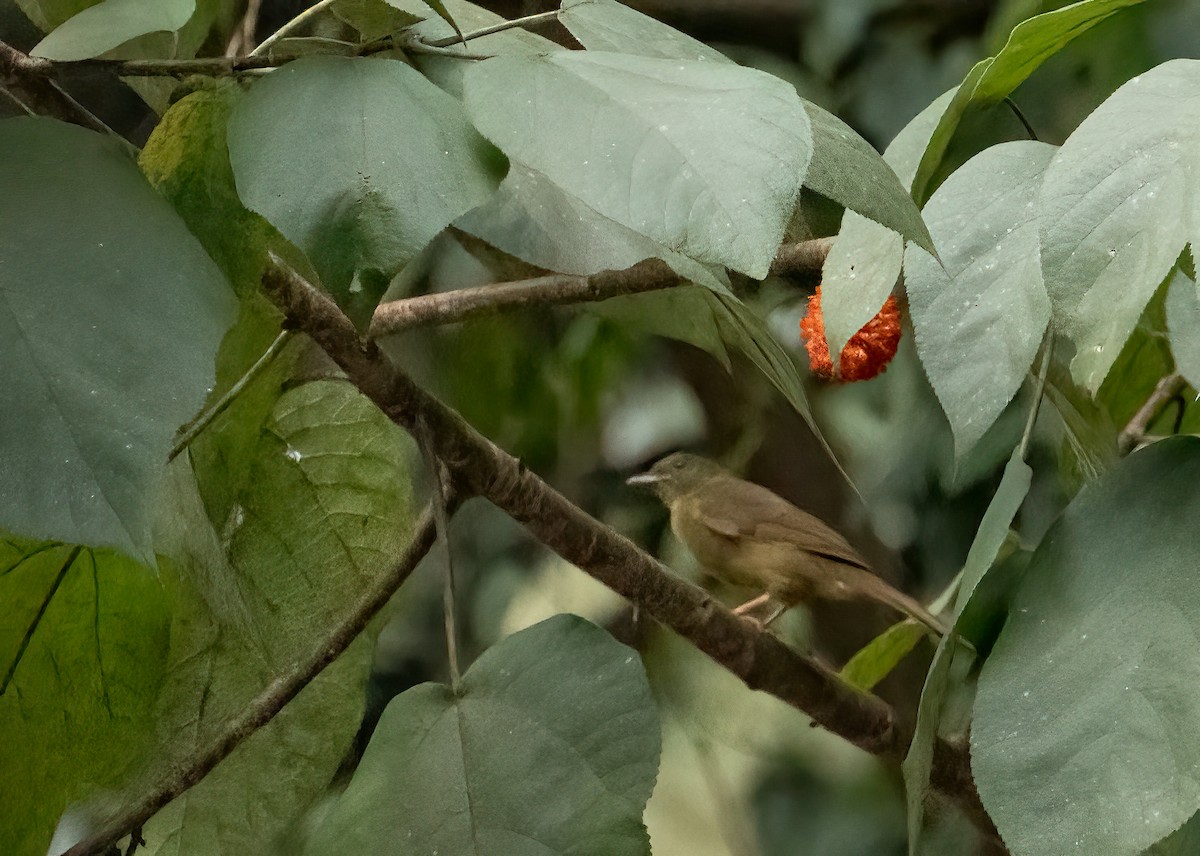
[1119, 202]
[979, 315]
[1183, 322]
[550, 746]
[532, 218]
[360, 163]
[865, 261]
[100, 28]
[110, 317]
[1084, 735]
[374, 19]
[705, 158]
[606, 25]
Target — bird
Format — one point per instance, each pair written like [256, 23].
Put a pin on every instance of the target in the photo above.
[746, 535]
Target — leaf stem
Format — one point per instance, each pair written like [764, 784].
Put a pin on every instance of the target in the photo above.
[527, 21]
[1038, 392]
[294, 24]
[1012, 105]
[442, 521]
[234, 391]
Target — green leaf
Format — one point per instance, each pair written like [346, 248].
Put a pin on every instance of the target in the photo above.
[443, 13]
[83, 646]
[48, 14]
[550, 746]
[993, 530]
[979, 316]
[1183, 322]
[374, 19]
[606, 25]
[876, 660]
[847, 170]
[702, 157]
[319, 507]
[532, 218]
[684, 313]
[1030, 44]
[102, 27]
[1118, 204]
[112, 317]
[1084, 732]
[360, 163]
[865, 260]
[187, 161]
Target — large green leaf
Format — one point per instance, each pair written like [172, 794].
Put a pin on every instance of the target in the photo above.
[106, 25]
[1118, 204]
[1030, 44]
[48, 14]
[532, 218]
[360, 163]
[1183, 322]
[705, 158]
[259, 576]
[606, 25]
[187, 161]
[110, 316]
[865, 261]
[980, 314]
[83, 646]
[550, 746]
[1085, 731]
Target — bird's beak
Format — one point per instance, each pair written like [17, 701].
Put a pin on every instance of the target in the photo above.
[643, 479]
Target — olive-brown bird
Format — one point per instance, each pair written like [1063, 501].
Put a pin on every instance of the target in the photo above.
[745, 535]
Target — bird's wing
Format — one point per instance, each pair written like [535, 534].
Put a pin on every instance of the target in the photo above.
[767, 517]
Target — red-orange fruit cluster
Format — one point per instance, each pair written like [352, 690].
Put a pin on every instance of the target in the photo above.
[866, 354]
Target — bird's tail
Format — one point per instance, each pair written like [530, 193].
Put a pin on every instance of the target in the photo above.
[897, 599]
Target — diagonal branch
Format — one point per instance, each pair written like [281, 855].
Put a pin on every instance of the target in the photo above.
[446, 307]
[481, 468]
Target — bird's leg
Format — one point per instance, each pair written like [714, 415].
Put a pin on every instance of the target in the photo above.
[751, 604]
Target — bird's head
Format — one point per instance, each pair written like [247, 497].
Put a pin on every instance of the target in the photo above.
[676, 475]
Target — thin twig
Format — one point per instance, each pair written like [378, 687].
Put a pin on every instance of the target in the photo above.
[1012, 105]
[441, 489]
[1135, 432]
[292, 25]
[268, 703]
[225, 400]
[527, 21]
[462, 304]
[1038, 391]
[26, 80]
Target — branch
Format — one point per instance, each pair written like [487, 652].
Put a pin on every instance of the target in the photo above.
[269, 702]
[462, 304]
[1135, 432]
[25, 79]
[527, 21]
[480, 467]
